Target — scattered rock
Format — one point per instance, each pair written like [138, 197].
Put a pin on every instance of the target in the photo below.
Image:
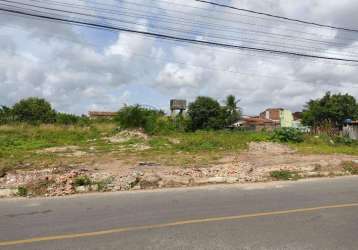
[270, 148]
[148, 164]
[59, 149]
[150, 181]
[173, 141]
[127, 135]
[175, 181]
[2, 172]
[217, 180]
[232, 180]
[83, 189]
[7, 192]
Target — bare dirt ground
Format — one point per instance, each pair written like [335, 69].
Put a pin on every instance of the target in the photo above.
[110, 174]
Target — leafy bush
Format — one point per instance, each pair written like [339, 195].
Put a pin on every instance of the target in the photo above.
[67, 119]
[345, 140]
[6, 115]
[34, 110]
[22, 191]
[284, 175]
[288, 135]
[82, 180]
[139, 117]
[351, 167]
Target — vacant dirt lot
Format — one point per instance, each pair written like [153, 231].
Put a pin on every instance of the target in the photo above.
[113, 173]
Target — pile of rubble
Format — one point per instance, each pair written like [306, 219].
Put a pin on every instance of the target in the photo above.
[60, 182]
[127, 135]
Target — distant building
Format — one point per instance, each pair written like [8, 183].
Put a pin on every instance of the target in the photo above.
[273, 114]
[297, 116]
[350, 129]
[286, 119]
[101, 115]
[282, 116]
[256, 124]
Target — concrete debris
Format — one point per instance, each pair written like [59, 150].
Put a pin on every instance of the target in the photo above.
[67, 151]
[149, 181]
[7, 192]
[148, 164]
[60, 182]
[270, 148]
[127, 135]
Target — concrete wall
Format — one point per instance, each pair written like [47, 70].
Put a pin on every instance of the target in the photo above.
[286, 119]
[351, 131]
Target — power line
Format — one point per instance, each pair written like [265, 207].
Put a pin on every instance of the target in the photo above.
[244, 39]
[176, 38]
[279, 17]
[180, 24]
[215, 18]
[266, 56]
[261, 42]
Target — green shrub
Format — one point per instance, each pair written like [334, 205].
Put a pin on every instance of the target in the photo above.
[22, 191]
[284, 175]
[82, 180]
[103, 184]
[67, 119]
[139, 117]
[345, 140]
[351, 167]
[34, 110]
[288, 135]
[6, 115]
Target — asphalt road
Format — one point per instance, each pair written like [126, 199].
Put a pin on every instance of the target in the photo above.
[314, 214]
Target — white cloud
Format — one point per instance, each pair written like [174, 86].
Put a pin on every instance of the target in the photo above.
[57, 62]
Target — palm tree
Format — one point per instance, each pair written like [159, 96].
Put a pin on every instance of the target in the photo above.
[234, 113]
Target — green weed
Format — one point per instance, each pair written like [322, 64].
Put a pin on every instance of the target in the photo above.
[351, 167]
[284, 175]
[22, 191]
[82, 180]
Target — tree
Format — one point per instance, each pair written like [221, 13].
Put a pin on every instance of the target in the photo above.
[34, 110]
[331, 110]
[206, 113]
[139, 117]
[232, 109]
[6, 114]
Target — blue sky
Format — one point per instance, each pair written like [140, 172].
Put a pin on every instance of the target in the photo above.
[82, 69]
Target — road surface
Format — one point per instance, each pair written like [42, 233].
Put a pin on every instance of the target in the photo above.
[309, 214]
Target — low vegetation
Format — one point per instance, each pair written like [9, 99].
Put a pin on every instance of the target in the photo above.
[284, 175]
[31, 130]
[22, 191]
[82, 180]
[351, 167]
[288, 135]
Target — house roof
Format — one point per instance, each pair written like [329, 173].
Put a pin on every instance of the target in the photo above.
[98, 113]
[258, 121]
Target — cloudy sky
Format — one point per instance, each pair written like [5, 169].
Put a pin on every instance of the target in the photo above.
[80, 69]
